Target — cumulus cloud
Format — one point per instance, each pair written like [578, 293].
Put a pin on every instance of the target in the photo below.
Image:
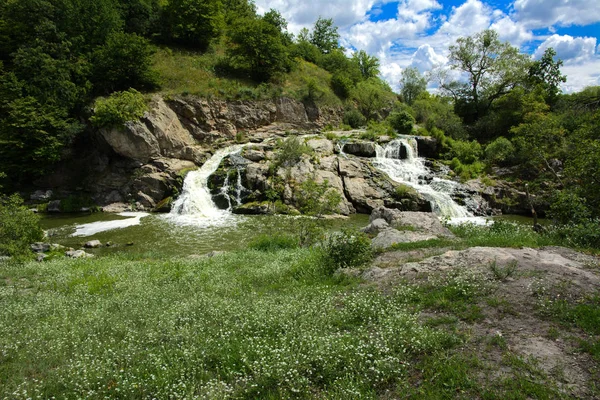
[425, 59]
[511, 31]
[581, 76]
[471, 17]
[545, 13]
[572, 50]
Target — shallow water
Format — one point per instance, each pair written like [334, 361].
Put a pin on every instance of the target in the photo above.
[158, 233]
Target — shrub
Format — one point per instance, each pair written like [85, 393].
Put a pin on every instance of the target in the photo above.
[291, 151]
[568, 208]
[345, 249]
[466, 152]
[405, 192]
[500, 151]
[354, 118]
[19, 227]
[118, 108]
[402, 122]
[317, 199]
[273, 242]
[342, 85]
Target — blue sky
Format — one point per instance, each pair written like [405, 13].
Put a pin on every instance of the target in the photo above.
[418, 32]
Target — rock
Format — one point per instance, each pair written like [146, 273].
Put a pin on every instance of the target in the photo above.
[165, 205]
[214, 253]
[253, 208]
[376, 226]
[116, 208]
[57, 247]
[41, 257]
[388, 237]
[421, 221]
[254, 155]
[360, 149]
[77, 254]
[40, 247]
[92, 244]
[322, 146]
[54, 206]
[428, 146]
[41, 195]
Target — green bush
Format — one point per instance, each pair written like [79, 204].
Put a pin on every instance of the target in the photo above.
[354, 118]
[273, 242]
[568, 208]
[317, 199]
[467, 171]
[466, 152]
[500, 151]
[584, 234]
[118, 108]
[19, 227]
[402, 122]
[342, 85]
[290, 151]
[346, 249]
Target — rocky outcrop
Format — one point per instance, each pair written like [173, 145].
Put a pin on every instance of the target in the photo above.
[503, 197]
[360, 149]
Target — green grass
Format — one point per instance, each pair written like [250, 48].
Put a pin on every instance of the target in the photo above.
[250, 324]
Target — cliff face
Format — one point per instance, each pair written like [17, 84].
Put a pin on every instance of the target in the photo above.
[143, 162]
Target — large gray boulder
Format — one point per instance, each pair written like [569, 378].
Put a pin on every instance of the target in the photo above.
[360, 149]
[420, 221]
[389, 237]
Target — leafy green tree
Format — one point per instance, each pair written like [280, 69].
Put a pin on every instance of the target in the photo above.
[193, 23]
[123, 62]
[33, 136]
[402, 122]
[259, 48]
[317, 199]
[438, 112]
[325, 35]
[368, 65]
[546, 73]
[493, 69]
[413, 84]
[336, 62]
[372, 96]
[141, 17]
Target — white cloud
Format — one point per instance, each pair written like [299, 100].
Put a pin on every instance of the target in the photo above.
[392, 73]
[511, 31]
[471, 17]
[425, 59]
[545, 13]
[571, 50]
[581, 76]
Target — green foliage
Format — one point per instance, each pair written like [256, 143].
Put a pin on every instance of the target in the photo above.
[402, 122]
[19, 227]
[354, 118]
[371, 96]
[413, 84]
[368, 65]
[438, 112]
[346, 249]
[467, 171]
[273, 243]
[118, 108]
[465, 152]
[568, 208]
[546, 73]
[123, 62]
[258, 47]
[493, 69]
[325, 35]
[404, 192]
[290, 151]
[501, 234]
[317, 199]
[500, 151]
[193, 23]
[342, 84]
[74, 203]
[377, 129]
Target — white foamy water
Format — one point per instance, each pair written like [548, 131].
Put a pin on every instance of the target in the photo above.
[195, 206]
[412, 171]
[134, 218]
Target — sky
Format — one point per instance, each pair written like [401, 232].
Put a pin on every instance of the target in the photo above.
[417, 33]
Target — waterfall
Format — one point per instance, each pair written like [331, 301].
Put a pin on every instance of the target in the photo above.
[399, 159]
[195, 204]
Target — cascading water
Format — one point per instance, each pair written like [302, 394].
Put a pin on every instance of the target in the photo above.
[195, 204]
[399, 159]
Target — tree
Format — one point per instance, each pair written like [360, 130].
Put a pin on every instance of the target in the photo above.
[123, 62]
[413, 84]
[258, 48]
[546, 73]
[372, 96]
[193, 22]
[493, 68]
[368, 65]
[325, 35]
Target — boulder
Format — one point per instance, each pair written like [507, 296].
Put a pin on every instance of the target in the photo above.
[322, 146]
[41, 257]
[40, 247]
[165, 205]
[428, 146]
[376, 226]
[389, 236]
[253, 208]
[92, 244]
[421, 221]
[54, 206]
[41, 195]
[78, 254]
[360, 149]
[116, 208]
[254, 155]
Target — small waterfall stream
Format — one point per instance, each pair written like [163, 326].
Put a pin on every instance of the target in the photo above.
[195, 204]
[400, 161]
